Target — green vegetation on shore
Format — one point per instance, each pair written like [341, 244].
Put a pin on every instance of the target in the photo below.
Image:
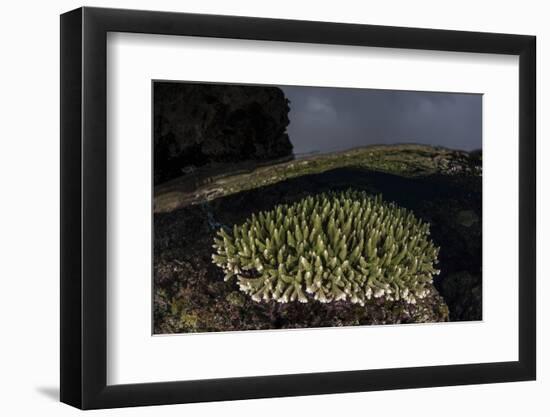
[406, 160]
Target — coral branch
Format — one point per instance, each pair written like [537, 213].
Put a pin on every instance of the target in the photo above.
[329, 247]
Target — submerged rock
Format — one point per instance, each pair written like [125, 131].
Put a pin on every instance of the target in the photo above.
[199, 305]
[463, 291]
[467, 218]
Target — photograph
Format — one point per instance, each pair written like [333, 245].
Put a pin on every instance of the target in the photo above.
[235, 185]
[287, 207]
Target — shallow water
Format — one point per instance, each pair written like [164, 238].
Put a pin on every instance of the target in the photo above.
[185, 236]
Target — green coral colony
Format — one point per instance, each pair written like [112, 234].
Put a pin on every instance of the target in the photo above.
[328, 247]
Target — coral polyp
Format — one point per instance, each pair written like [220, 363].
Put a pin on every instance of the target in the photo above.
[334, 246]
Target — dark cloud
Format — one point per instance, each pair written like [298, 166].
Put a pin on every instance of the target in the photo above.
[330, 119]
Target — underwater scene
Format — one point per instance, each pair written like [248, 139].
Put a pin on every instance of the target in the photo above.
[284, 207]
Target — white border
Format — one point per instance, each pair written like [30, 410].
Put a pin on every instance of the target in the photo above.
[134, 356]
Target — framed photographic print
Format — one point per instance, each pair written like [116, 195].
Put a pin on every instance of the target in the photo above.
[256, 207]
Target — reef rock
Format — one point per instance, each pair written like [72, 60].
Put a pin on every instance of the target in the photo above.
[198, 125]
[190, 294]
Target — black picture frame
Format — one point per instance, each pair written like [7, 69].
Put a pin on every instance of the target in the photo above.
[84, 207]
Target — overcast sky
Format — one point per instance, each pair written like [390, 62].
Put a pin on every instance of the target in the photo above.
[331, 119]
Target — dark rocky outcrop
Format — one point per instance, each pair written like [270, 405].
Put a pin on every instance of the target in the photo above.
[200, 124]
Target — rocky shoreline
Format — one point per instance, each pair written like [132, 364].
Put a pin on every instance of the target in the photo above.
[407, 160]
